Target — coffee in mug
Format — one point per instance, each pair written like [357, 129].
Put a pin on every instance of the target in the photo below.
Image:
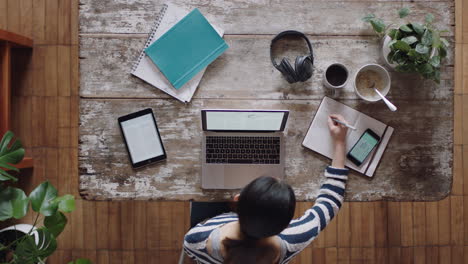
[335, 77]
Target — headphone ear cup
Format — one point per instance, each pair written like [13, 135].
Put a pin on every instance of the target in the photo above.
[288, 71]
[303, 68]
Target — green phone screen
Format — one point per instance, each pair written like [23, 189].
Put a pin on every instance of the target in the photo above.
[364, 146]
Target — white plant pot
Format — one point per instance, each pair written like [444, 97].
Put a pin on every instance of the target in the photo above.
[386, 50]
[23, 228]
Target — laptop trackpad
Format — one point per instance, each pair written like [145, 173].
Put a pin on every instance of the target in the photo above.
[236, 177]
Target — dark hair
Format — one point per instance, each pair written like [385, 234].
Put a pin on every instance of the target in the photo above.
[265, 208]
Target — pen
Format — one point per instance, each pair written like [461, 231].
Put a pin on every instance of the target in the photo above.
[343, 123]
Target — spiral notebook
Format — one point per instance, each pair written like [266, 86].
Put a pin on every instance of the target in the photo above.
[319, 140]
[146, 70]
[187, 48]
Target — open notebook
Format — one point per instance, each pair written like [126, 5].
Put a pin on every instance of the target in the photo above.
[319, 140]
[145, 69]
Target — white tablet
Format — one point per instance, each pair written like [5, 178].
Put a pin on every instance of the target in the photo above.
[141, 135]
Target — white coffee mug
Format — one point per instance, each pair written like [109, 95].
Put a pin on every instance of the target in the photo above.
[335, 83]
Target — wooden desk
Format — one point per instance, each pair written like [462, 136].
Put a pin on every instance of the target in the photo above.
[417, 164]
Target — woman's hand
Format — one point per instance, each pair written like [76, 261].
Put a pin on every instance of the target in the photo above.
[338, 133]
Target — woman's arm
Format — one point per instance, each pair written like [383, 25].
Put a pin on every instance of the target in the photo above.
[301, 232]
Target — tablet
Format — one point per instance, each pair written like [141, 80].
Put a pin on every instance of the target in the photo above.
[141, 136]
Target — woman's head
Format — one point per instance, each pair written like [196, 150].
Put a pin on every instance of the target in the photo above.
[265, 207]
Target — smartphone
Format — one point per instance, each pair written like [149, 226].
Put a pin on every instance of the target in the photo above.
[363, 147]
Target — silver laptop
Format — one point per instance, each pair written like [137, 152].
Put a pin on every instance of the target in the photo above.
[241, 145]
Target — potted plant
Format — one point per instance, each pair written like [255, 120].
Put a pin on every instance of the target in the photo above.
[412, 47]
[28, 244]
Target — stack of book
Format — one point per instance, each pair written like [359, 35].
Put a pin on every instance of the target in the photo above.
[179, 48]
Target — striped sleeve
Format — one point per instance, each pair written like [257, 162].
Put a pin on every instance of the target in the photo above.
[195, 239]
[302, 231]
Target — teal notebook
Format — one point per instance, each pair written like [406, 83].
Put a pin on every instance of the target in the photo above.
[187, 48]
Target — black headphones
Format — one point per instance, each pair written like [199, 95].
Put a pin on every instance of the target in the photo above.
[304, 64]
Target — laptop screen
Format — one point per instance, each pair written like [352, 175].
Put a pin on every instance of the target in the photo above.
[243, 120]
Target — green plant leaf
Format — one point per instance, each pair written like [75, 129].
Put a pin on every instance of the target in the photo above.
[435, 39]
[13, 203]
[55, 223]
[378, 25]
[412, 53]
[410, 40]
[442, 52]
[425, 68]
[392, 33]
[81, 261]
[444, 42]
[403, 12]
[406, 29]
[426, 38]
[11, 152]
[418, 28]
[403, 68]
[28, 252]
[401, 45]
[436, 76]
[390, 56]
[390, 44]
[398, 35]
[435, 61]
[5, 176]
[429, 18]
[399, 57]
[42, 199]
[420, 48]
[66, 203]
[368, 17]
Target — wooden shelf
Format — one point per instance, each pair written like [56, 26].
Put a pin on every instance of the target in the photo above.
[25, 163]
[15, 39]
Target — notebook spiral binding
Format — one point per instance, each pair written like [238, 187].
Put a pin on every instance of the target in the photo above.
[154, 28]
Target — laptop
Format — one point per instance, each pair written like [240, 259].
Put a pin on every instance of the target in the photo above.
[240, 145]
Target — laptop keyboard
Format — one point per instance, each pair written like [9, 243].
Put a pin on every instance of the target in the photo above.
[243, 150]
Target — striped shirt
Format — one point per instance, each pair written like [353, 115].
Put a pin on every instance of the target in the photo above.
[296, 237]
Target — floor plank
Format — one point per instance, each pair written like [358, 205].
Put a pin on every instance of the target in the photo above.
[432, 223]
[407, 224]
[51, 21]
[368, 224]
[444, 221]
[419, 224]
[420, 255]
[394, 224]
[445, 255]
[4, 16]
[456, 223]
[344, 226]
[344, 255]
[381, 223]
[357, 231]
[457, 187]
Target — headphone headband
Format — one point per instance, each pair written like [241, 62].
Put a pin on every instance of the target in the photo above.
[290, 33]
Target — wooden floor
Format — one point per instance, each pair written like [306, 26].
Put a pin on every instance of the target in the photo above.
[45, 107]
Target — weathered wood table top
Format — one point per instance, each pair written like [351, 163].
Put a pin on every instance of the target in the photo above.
[417, 164]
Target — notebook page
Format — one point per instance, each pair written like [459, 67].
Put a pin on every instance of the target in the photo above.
[147, 71]
[318, 137]
[319, 140]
